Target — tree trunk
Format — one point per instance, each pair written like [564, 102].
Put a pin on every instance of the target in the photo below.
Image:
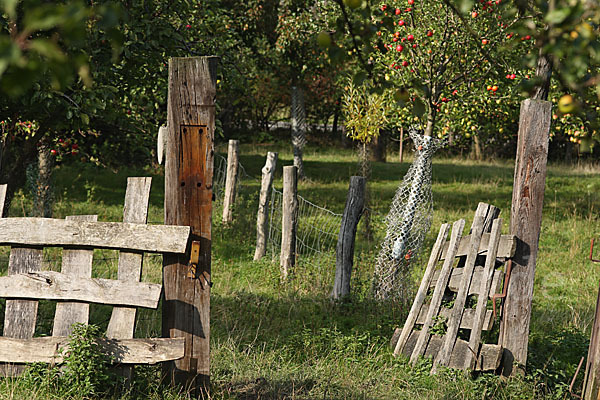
[42, 206]
[377, 147]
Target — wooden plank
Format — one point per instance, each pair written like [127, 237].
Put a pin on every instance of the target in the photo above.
[137, 195]
[76, 263]
[436, 300]
[466, 322]
[506, 248]
[489, 213]
[483, 294]
[526, 220]
[488, 358]
[262, 219]
[135, 210]
[20, 315]
[453, 322]
[591, 381]
[50, 285]
[344, 251]
[2, 198]
[189, 163]
[478, 276]
[289, 221]
[112, 235]
[423, 288]
[231, 179]
[122, 351]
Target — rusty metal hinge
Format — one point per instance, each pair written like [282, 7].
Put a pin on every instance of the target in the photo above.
[505, 289]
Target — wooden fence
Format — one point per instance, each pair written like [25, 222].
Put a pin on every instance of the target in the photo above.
[73, 288]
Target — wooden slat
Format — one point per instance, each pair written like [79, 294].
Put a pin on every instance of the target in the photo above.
[20, 315]
[122, 351]
[478, 274]
[50, 285]
[135, 210]
[2, 198]
[436, 300]
[113, 235]
[484, 293]
[453, 323]
[506, 248]
[489, 213]
[122, 320]
[75, 263]
[423, 288]
[466, 321]
[488, 358]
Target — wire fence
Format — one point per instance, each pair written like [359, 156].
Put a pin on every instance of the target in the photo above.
[316, 235]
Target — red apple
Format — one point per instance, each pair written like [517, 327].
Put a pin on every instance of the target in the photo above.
[53, 152]
[474, 14]
[410, 38]
[401, 22]
[399, 47]
[405, 63]
[484, 41]
[411, 2]
[429, 33]
[398, 11]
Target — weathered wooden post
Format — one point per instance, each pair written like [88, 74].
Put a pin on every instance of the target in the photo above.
[591, 381]
[233, 158]
[188, 201]
[262, 219]
[344, 260]
[525, 223]
[289, 220]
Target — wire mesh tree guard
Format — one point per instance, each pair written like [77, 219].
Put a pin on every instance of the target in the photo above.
[408, 221]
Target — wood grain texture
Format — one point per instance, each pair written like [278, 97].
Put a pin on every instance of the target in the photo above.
[453, 322]
[50, 285]
[426, 282]
[591, 381]
[488, 358]
[75, 263]
[289, 221]
[526, 219]
[231, 179]
[506, 248]
[113, 235]
[262, 219]
[478, 275]
[436, 300]
[2, 198]
[20, 315]
[189, 161]
[466, 321]
[484, 286]
[135, 210]
[345, 245]
[122, 351]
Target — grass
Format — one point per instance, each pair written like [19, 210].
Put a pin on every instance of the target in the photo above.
[271, 341]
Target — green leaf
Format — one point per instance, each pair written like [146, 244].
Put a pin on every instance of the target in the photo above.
[10, 7]
[359, 78]
[557, 16]
[85, 119]
[465, 6]
[48, 49]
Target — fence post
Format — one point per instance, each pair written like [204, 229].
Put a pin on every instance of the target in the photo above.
[262, 219]
[345, 245]
[525, 223]
[233, 159]
[289, 220]
[189, 160]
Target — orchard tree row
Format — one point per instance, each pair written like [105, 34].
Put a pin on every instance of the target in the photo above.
[87, 81]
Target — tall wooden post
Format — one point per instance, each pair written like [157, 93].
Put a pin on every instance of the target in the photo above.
[289, 220]
[262, 219]
[188, 201]
[525, 223]
[344, 261]
[233, 159]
